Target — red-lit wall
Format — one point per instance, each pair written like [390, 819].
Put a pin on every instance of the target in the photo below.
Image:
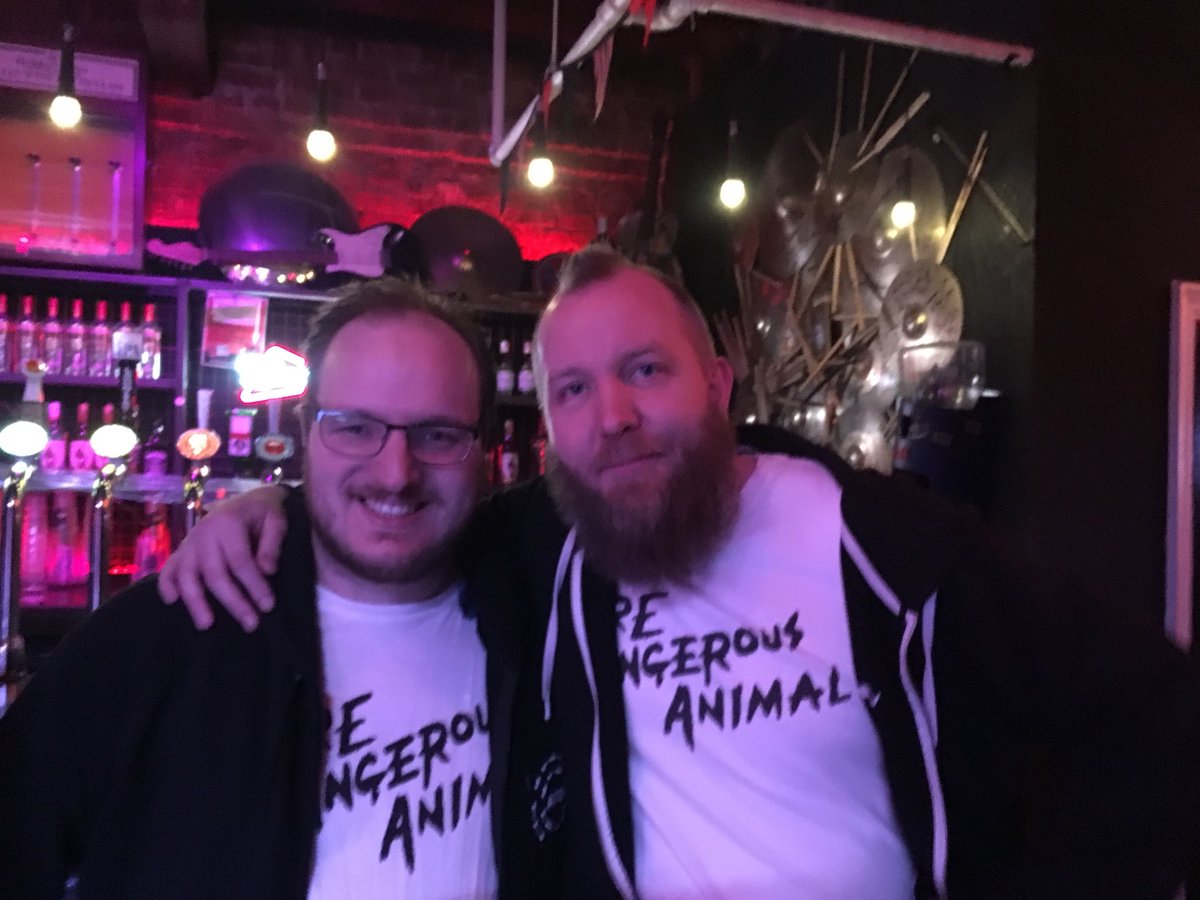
[412, 122]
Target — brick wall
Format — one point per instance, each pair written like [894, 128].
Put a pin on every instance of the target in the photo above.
[412, 121]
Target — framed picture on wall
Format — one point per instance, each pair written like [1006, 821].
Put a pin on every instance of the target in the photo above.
[1183, 591]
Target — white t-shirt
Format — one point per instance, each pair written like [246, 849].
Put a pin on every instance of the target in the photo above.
[754, 767]
[405, 801]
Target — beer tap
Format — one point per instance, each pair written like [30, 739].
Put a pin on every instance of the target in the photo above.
[274, 448]
[23, 439]
[198, 445]
[113, 442]
[273, 376]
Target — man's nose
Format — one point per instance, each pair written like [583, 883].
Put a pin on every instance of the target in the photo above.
[394, 465]
[618, 411]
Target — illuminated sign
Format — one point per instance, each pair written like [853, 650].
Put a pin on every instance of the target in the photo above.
[276, 374]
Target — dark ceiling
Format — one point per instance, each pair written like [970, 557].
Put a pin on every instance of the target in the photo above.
[181, 38]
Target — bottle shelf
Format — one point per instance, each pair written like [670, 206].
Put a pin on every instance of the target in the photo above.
[517, 401]
[92, 381]
[139, 487]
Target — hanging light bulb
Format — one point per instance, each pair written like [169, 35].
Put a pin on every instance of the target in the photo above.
[733, 190]
[904, 214]
[322, 146]
[904, 211]
[733, 193]
[540, 172]
[65, 111]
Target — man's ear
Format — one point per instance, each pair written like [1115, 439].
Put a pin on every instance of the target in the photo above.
[720, 383]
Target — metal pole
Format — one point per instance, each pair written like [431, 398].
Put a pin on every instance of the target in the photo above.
[100, 535]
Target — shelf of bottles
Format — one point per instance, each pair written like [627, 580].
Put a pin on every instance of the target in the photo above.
[516, 445]
[69, 319]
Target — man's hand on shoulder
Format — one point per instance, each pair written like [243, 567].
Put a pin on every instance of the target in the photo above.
[219, 557]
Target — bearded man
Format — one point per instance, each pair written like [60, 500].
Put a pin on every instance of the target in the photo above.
[716, 672]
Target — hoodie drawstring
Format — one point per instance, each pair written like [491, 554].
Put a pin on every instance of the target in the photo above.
[570, 562]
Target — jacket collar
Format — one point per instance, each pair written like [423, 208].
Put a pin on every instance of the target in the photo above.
[294, 583]
[911, 535]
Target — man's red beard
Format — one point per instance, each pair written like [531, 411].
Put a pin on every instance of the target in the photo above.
[644, 531]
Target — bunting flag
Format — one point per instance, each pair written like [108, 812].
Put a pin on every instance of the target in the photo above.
[646, 7]
[601, 61]
[547, 96]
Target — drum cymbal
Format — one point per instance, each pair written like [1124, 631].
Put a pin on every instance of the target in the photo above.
[790, 233]
[467, 251]
[923, 304]
[883, 247]
[875, 375]
[862, 437]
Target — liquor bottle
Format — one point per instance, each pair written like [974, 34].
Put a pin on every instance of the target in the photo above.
[153, 543]
[506, 373]
[538, 447]
[52, 338]
[151, 366]
[508, 459]
[127, 337]
[62, 526]
[7, 357]
[525, 375]
[156, 453]
[54, 457]
[80, 457]
[75, 349]
[33, 548]
[99, 343]
[29, 334]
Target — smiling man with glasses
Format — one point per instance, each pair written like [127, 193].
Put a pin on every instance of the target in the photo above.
[342, 750]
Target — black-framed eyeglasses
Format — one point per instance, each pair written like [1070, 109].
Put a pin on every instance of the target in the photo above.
[357, 434]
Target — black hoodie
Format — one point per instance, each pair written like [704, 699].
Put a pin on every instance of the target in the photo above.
[1036, 742]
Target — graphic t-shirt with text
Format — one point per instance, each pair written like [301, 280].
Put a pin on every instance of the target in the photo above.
[754, 767]
[405, 800]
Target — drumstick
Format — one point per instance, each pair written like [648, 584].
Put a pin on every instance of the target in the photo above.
[964, 194]
[862, 103]
[852, 268]
[887, 136]
[887, 103]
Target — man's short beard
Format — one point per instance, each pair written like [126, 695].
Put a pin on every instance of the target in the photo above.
[667, 536]
[399, 571]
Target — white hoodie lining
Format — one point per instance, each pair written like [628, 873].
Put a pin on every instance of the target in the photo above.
[928, 756]
[551, 645]
[928, 696]
[881, 588]
[923, 704]
[612, 858]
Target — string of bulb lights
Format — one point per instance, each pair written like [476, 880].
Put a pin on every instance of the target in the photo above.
[66, 112]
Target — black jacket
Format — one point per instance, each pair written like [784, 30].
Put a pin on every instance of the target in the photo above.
[154, 761]
[1052, 751]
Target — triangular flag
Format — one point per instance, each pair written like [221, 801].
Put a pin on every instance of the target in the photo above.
[601, 62]
[646, 7]
[547, 96]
